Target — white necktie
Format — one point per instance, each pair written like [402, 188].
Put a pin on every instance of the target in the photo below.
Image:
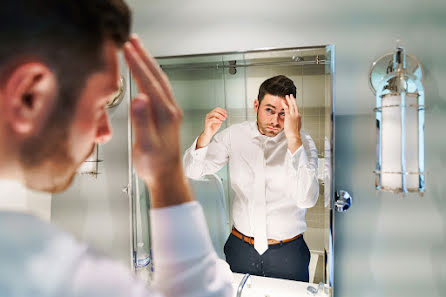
[260, 240]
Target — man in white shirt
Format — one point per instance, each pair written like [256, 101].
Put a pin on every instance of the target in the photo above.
[273, 170]
[58, 69]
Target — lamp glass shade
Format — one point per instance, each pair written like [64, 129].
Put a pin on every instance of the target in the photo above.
[398, 159]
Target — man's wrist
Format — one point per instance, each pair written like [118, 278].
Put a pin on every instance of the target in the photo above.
[294, 143]
[203, 140]
[170, 188]
[295, 137]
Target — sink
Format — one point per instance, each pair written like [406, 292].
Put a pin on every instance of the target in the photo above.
[272, 287]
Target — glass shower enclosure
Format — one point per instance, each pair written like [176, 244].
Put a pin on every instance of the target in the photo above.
[231, 81]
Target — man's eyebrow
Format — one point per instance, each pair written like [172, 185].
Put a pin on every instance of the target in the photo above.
[269, 105]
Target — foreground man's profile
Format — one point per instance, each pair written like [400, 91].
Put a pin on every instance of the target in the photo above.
[58, 68]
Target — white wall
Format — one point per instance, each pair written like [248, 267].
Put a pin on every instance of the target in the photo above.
[385, 246]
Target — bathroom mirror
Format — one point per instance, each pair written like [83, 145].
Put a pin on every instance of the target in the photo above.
[231, 81]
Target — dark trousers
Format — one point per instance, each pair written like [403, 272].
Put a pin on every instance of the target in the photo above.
[287, 260]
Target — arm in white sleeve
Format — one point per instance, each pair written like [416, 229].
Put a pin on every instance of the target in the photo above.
[185, 263]
[208, 159]
[101, 277]
[302, 173]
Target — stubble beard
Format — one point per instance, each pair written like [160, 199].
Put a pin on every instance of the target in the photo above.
[262, 128]
[46, 158]
[49, 167]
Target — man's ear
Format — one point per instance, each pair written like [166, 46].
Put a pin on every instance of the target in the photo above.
[256, 105]
[29, 96]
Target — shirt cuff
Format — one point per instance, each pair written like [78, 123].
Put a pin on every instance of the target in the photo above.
[198, 153]
[298, 158]
[179, 233]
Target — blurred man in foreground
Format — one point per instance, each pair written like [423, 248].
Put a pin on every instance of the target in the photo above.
[58, 69]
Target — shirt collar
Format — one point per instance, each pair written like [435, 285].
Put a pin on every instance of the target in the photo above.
[263, 138]
[13, 196]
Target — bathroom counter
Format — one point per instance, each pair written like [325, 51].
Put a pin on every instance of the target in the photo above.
[272, 287]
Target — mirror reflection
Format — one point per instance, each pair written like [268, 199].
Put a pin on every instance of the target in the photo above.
[256, 144]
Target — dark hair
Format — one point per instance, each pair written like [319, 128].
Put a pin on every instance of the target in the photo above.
[279, 85]
[68, 36]
[45, 27]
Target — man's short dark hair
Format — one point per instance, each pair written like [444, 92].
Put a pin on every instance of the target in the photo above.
[68, 36]
[47, 27]
[279, 85]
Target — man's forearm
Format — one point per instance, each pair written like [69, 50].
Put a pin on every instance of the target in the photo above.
[169, 190]
[203, 140]
[294, 143]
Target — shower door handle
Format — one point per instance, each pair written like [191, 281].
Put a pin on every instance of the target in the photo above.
[343, 201]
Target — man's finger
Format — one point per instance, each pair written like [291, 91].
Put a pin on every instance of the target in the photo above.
[215, 113]
[285, 107]
[143, 122]
[145, 80]
[221, 110]
[295, 106]
[218, 116]
[152, 66]
[220, 113]
[290, 105]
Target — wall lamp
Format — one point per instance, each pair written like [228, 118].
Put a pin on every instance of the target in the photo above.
[396, 80]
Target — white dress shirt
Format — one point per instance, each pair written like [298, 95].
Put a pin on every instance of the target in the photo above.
[39, 260]
[290, 179]
[19, 198]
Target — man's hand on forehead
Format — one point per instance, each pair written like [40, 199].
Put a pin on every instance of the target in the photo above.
[293, 123]
[156, 116]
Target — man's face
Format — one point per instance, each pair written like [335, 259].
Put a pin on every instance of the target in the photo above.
[90, 124]
[88, 127]
[270, 115]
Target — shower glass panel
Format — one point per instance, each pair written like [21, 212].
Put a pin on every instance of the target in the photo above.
[231, 81]
[141, 245]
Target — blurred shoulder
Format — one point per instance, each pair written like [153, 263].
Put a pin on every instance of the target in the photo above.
[32, 252]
